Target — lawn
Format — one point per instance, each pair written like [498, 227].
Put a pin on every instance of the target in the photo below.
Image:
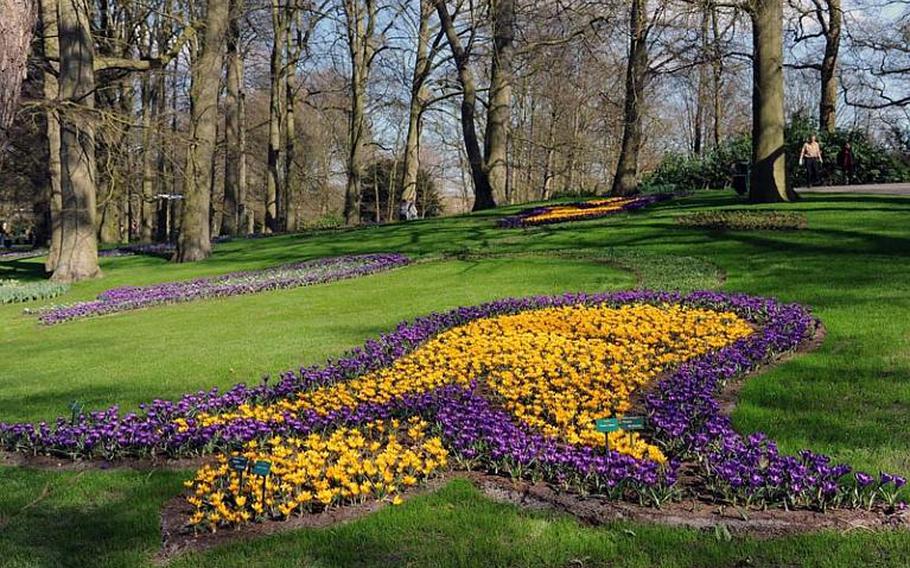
[849, 399]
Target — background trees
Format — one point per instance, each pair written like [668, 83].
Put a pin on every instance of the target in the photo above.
[183, 119]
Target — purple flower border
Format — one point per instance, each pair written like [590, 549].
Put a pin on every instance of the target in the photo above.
[684, 416]
[520, 219]
[324, 270]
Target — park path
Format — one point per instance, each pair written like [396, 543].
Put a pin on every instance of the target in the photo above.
[875, 189]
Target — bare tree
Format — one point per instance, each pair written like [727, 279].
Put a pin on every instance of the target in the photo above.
[195, 234]
[825, 19]
[423, 64]
[495, 141]
[78, 257]
[360, 20]
[484, 197]
[273, 201]
[234, 124]
[769, 175]
[625, 181]
[51, 45]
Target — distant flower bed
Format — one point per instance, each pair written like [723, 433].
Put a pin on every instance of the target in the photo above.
[234, 284]
[511, 387]
[164, 250]
[580, 211]
[739, 220]
[20, 254]
[12, 291]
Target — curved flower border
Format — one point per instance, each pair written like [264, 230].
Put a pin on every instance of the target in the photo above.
[683, 412]
[523, 218]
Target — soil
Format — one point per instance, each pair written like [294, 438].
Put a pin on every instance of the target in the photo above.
[687, 513]
[53, 463]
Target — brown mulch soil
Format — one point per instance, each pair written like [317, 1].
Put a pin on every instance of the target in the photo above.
[687, 513]
[53, 463]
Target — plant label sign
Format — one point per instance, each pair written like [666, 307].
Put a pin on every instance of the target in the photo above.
[632, 422]
[238, 463]
[262, 468]
[607, 425]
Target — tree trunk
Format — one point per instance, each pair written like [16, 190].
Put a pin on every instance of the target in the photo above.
[483, 192]
[701, 109]
[573, 153]
[276, 101]
[51, 45]
[827, 117]
[78, 258]
[230, 214]
[194, 242]
[15, 36]
[625, 181]
[412, 142]
[548, 172]
[360, 17]
[717, 75]
[291, 177]
[769, 177]
[499, 112]
[147, 192]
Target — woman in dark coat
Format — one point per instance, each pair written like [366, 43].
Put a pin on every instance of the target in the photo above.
[845, 161]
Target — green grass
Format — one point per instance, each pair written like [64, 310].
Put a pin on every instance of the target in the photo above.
[851, 398]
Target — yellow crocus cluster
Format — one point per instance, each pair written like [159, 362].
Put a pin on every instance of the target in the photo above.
[378, 460]
[556, 369]
[593, 208]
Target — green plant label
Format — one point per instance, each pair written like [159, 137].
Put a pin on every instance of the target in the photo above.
[607, 424]
[238, 463]
[632, 422]
[262, 468]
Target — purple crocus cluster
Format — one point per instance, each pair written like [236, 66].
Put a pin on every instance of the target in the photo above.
[522, 218]
[684, 418]
[234, 284]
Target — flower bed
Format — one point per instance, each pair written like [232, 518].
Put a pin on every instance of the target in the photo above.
[163, 250]
[12, 291]
[251, 282]
[732, 220]
[311, 473]
[490, 382]
[580, 211]
[20, 253]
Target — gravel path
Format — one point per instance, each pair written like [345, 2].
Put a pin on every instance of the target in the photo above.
[875, 189]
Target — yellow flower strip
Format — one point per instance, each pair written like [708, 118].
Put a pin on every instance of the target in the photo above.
[555, 369]
[308, 474]
[593, 208]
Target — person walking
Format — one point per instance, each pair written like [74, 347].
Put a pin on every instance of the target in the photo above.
[846, 163]
[811, 157]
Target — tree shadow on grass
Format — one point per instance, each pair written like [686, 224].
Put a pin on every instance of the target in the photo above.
[26, 269]
[87, 519]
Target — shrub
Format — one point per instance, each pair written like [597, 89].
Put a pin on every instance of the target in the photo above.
[873, 162]
[741, 220]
